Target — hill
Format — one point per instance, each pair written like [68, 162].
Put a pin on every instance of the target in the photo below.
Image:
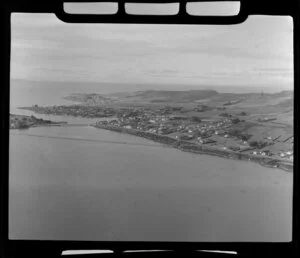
[211, 97]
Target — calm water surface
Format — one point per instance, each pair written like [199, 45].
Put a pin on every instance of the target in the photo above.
[83, 183]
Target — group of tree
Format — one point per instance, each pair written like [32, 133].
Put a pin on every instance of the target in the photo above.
[196, 119]
[235, 120]
[258, 144]
[23, 125]
[240, 135]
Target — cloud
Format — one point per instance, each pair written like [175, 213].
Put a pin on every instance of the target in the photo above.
[47, 49]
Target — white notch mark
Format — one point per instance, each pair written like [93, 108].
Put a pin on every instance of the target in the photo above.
[152, 9]
[227, 8]
[91, 8]
[74, 252]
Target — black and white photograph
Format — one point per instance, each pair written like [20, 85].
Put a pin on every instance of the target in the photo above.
[151, 132]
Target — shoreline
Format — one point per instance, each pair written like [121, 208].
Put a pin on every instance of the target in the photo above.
[33, 126]
[22, 122]
[185, 146]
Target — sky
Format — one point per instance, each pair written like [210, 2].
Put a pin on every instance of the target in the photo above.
[256, 53]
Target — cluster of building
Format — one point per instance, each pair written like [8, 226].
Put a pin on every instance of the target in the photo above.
[217, 132]
[288, 154]
[75, 110]
[174, 123]
[180, 127]
[279, 147]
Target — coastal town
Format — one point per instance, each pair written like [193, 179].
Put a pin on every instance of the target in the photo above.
[229, 132]
[73, 110]
[219, 133]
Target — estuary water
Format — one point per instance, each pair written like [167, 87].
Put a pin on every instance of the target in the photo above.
[84, 183]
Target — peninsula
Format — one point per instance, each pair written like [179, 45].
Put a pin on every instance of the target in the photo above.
[24, 122]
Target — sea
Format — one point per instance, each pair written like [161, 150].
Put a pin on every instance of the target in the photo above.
[88, 184]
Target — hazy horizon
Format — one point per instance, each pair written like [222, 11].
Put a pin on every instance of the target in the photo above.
[257, 54]
[134, 87]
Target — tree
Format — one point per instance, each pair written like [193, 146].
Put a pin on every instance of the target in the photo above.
[245, 137]
[243, 113]
[196, 119]
[235, 120]
[237, 133]
[23, 125]
[258, 144]
[253, 144]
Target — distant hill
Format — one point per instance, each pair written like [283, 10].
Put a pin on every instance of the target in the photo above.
[284, 98]
[87, 98]
[176, 96]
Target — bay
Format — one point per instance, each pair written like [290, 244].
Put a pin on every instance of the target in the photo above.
[80, 186]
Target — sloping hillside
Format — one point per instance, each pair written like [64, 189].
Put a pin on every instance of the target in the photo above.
[211, 97]
[174, 96]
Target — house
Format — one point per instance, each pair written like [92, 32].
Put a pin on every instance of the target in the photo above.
[266, 119]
